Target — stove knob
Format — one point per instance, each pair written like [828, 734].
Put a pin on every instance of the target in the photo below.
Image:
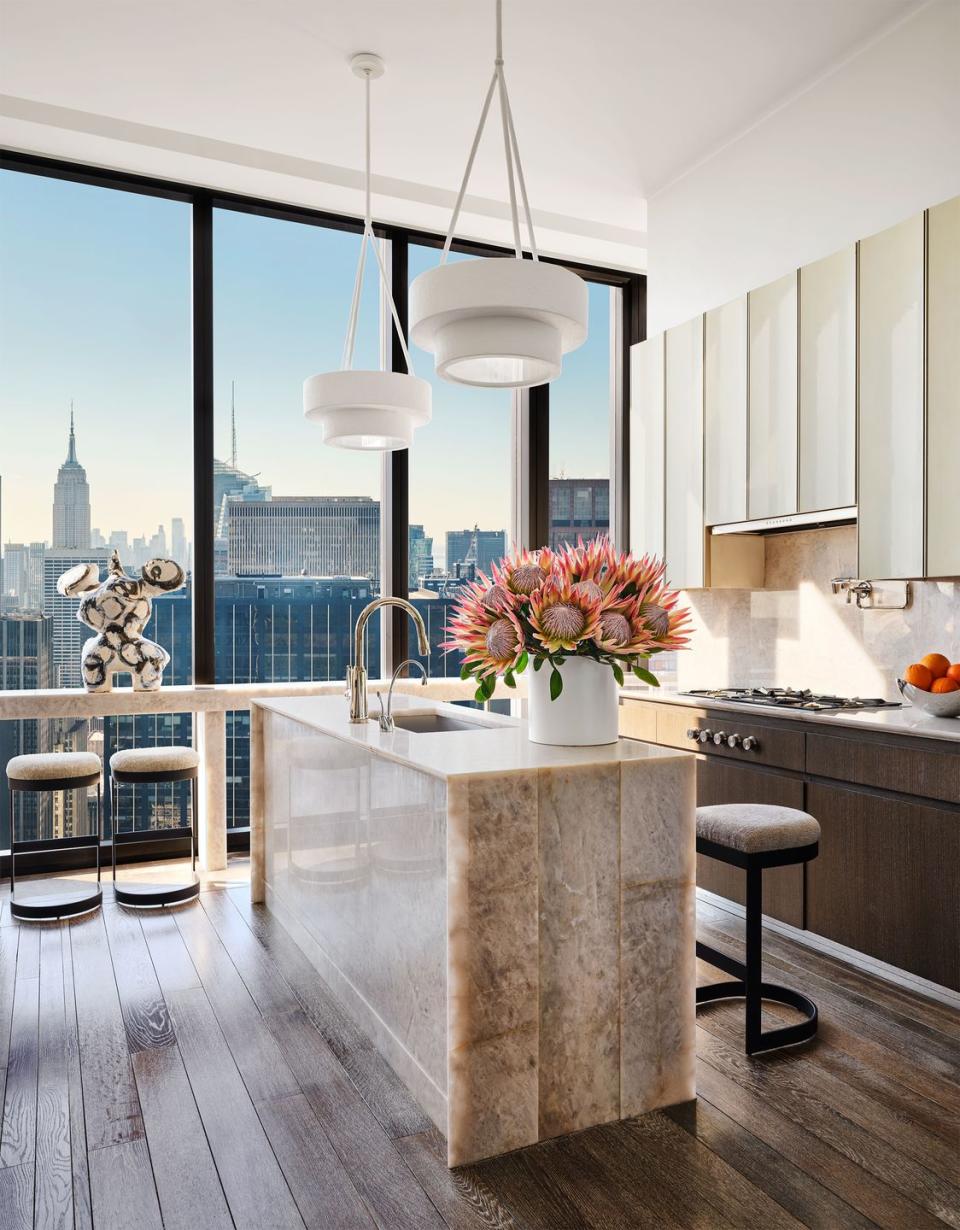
[705, 736]
[734, 740]
[750, 743]
[694, 735]
[720, 738]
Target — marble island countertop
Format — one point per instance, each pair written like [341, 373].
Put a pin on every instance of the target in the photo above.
[498, 744]
[906, 720]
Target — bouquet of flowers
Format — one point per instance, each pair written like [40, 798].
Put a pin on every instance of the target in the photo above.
[587, 601]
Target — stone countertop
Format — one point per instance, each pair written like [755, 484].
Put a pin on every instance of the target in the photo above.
[499, 745]
[906, 720]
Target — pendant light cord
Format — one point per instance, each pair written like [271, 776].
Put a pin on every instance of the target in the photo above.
[511, 153]
[349, 344]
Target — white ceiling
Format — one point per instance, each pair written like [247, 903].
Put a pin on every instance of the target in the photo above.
[612, 99]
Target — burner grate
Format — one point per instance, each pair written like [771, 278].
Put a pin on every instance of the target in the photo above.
[792, 698]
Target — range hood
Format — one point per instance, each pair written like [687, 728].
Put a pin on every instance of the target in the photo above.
[792, 521]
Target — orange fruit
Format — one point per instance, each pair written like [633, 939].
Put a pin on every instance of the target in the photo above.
[936, 664]
[954, 672]
[945, 684]
[919, 675]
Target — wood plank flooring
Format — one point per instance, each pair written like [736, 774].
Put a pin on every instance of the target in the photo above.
[189, 1068]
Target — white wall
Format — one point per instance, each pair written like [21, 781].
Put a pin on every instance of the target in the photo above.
[873, 142]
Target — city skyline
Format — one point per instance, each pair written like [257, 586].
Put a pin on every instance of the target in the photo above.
[96, 310]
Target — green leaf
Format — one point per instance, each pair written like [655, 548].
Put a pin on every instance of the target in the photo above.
[509, 680]
[522, 663]
[556, 684]
[537, 663]
[646, 676]
[466, 672]
[618, 674]
[488, 686]
[479, 694]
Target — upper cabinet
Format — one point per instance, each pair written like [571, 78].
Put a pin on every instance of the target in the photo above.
[647, 446]
[943, 390]
[891, 419]
[772, 481]
[683, 439]
[725, 413]
[828, 383]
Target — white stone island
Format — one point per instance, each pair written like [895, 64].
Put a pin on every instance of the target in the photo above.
[512, 924]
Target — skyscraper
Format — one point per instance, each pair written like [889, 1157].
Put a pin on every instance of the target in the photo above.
[313, 536]
[420, 555]
[26, 661]
[23, 575]
[579, 508]
[71, 501]
[69, 633]
[480, 547]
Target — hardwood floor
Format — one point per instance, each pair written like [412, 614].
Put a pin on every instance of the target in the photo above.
[190, 1069]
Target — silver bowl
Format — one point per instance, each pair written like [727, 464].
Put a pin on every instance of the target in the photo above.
[941, 705]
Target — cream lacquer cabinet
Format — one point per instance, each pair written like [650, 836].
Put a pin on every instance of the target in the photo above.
[725, 413]
[943, 390]
[683, 448]
[647, 446]
[891, 411]
[828, 383]
[772, 479]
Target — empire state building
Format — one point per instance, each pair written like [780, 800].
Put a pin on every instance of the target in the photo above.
[71, 501]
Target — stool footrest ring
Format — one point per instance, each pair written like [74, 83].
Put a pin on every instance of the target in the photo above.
[786, 1035]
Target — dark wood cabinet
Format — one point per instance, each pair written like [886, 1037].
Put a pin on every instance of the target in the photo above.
[721, 782]
[887, 881]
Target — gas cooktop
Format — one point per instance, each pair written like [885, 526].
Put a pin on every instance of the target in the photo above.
[791, 698]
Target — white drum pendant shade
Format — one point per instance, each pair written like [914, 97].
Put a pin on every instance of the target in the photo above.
[498, 323]
[367, 410]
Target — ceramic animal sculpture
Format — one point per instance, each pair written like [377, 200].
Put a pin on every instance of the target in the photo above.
[117, 610]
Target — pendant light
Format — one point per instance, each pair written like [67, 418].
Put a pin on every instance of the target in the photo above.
[502, 322]
[373, 410]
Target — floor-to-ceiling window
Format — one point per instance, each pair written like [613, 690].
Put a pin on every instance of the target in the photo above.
[581, 421]
[95, 456]
[296, 524]
[461, 470]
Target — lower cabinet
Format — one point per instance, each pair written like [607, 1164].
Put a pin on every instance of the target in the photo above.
[887, 882]
[720, 782]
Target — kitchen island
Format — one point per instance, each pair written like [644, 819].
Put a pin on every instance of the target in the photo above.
[511, 924]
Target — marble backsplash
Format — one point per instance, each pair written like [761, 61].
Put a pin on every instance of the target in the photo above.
[796, 633]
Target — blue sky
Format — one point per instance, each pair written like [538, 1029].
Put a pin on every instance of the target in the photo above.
[95, 307]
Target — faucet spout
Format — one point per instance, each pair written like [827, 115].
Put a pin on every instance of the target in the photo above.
[357, 673]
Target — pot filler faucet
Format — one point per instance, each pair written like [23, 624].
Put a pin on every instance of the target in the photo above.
[357, 673]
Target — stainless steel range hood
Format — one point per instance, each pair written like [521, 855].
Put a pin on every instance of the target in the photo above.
[793, 521]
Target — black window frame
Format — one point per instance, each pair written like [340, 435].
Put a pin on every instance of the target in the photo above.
[203, 201]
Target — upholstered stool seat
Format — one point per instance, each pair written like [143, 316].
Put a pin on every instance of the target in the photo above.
[49, 772]
[147, 761]
[755, 836]
[754, 828]
[47, 767]
[138, 766]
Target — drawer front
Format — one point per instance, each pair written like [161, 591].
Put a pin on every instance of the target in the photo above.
[920, 771]
[638, 720]
[774, 746]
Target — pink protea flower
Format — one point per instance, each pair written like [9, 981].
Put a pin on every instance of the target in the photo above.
[525, 571]
[563, 616]
[489, 634]
[623, 631]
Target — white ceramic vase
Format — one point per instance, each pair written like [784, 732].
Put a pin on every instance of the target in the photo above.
[585, 714]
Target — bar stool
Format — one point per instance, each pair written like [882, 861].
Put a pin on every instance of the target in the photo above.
[755, 836]
[150, 765]
[53, 771]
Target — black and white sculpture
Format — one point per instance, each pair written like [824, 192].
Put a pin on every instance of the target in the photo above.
[117, 610]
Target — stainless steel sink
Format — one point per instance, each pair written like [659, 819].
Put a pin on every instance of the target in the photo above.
[432, 723]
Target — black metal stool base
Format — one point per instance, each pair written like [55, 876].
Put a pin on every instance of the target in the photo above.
[145, 896]
[771, 1039]
[29, 905]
